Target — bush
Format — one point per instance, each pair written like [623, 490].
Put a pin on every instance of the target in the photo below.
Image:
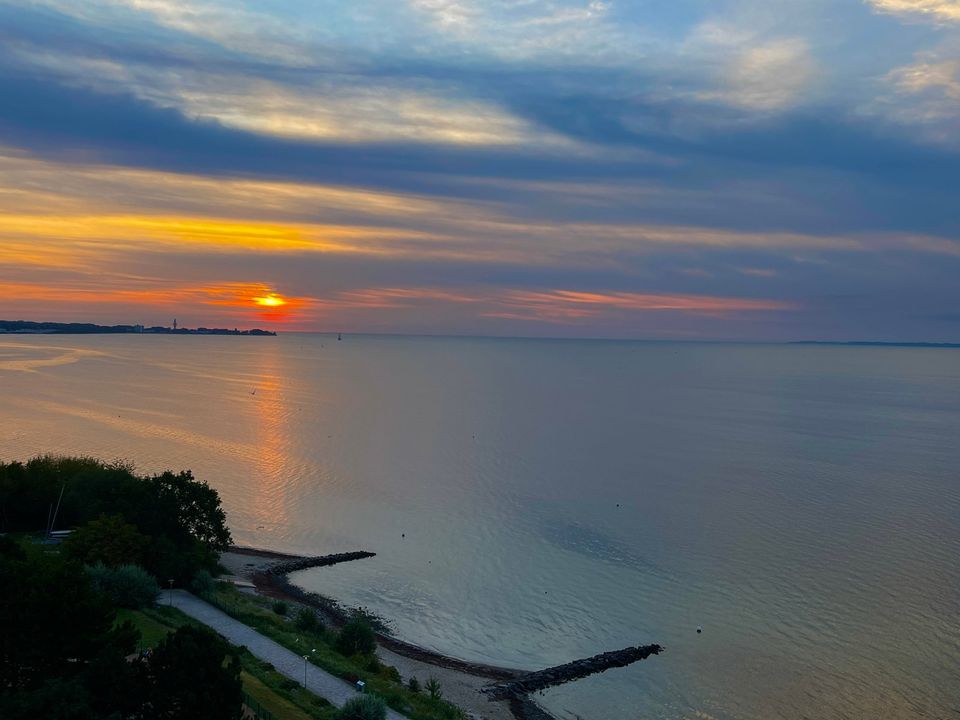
[280, 607]
[356, 637]
[109, 539]
[414, 685]
[202, 583]
[433, 687]
[128, 586]
[308, 621]
[195, 675]
[363, 707]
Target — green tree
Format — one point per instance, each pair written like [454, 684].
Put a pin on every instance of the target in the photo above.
[356, 637]
[109, 540]
[194, 674]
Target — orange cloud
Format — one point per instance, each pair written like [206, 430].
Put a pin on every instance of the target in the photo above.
[241, 300]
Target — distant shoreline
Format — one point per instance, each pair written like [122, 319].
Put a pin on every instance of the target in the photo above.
[27, 327]
[876, 343]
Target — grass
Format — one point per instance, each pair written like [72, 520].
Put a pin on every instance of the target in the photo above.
[383, 680]
[151, 630]
[284, 698]
[277, 704]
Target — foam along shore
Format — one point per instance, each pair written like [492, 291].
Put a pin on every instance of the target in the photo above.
[462, 682]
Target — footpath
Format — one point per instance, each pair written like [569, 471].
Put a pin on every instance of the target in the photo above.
[287, 662]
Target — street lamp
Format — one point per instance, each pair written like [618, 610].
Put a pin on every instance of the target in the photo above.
[305, 668]
[170, 596]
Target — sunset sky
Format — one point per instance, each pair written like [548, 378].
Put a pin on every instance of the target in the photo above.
[733, 169]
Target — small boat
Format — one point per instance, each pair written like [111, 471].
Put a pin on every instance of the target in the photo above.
[339, 337]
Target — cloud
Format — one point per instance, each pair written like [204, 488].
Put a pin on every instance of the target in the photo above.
[773, 76]
[925, 96]
[564, 306]
[233, 28]
[234, 300]
[948, 10]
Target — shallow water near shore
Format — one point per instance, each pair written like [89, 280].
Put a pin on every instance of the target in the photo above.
[532, 502]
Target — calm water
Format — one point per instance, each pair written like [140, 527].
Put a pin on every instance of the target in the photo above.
[559, 499]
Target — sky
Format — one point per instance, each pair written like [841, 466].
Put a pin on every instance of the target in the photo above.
[726, 169]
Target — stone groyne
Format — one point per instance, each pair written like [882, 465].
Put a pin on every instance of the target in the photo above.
[285, 567]
[541, 679]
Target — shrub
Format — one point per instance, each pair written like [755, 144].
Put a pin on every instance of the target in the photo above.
[356, 637]
[414, 685]
[202, 583]
[195, 675]
[109, 539]
[128, 586]
[308, 621]
[433, 687]
[280, 607]
[363, 707]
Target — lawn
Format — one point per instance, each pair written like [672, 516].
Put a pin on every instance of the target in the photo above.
[282, 697]
[384, 680]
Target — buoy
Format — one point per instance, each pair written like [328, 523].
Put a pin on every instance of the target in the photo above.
[699, 629]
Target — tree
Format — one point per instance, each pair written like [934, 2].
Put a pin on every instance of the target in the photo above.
[58, 641]
[197, 507]
[180, 518]
[194, 674]
[109, 540]
[356, 637]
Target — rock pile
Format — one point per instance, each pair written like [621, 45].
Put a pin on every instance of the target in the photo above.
[541, 679]
[288, 566]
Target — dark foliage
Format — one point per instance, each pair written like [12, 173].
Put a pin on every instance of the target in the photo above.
[308, 621]
[193, 674]
[363, 707]
[172, 524]
[356, 637]
[60, 654]
[110, 540]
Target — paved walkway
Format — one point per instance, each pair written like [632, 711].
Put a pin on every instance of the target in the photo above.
[287, 662]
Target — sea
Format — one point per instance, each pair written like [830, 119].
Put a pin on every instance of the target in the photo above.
[531, 502]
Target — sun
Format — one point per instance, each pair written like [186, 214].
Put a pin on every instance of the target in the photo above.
[270, 300]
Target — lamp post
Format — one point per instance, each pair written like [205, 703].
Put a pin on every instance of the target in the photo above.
[170, 595]
[305, 668]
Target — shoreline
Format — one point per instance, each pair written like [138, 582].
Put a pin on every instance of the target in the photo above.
[463, 679]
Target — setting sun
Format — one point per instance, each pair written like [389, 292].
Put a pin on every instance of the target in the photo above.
[271, 300]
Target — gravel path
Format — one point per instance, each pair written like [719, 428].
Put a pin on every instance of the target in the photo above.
[319, 682]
